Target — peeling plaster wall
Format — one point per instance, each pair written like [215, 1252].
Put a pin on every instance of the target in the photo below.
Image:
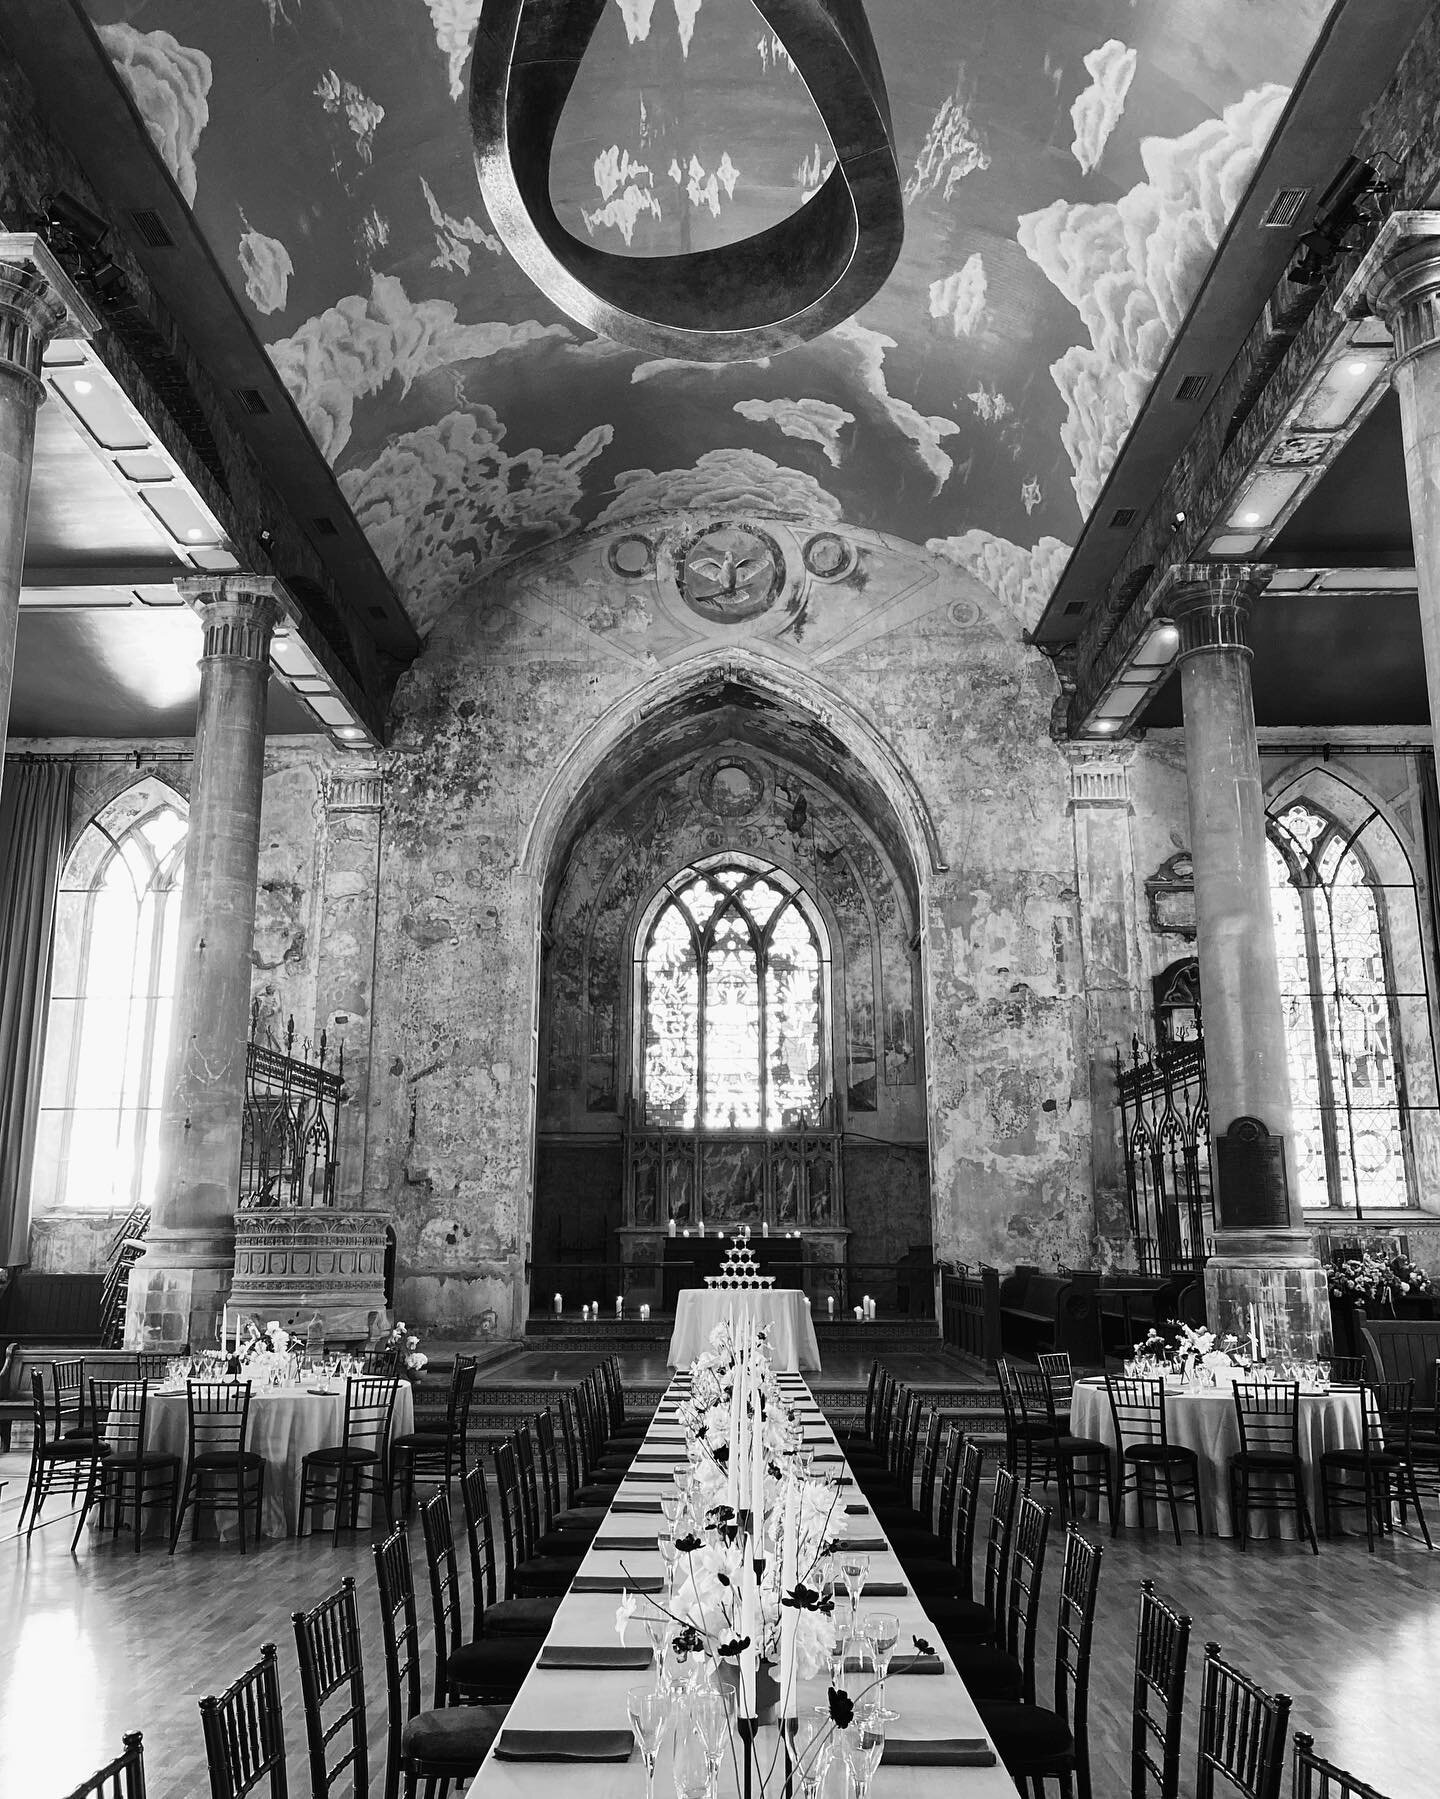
[537, 663]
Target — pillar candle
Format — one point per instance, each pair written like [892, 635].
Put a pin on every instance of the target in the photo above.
[830, 1305]
[733, 1488]
[619, 1305]
[559, 1304]
[789, 1617]
[749, 1627]
[859, 1313]
[765, 1228]
[757, 1467]
[1260, 1326]
[672, 1227]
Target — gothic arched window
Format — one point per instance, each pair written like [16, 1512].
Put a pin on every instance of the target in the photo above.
[108, 1028]
[732, 997]
[1342, 1031]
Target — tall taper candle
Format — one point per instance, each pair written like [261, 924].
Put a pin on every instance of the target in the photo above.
[789, 1617]
[757, 1467]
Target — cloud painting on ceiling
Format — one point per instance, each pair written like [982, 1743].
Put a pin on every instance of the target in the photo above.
[1068, 172]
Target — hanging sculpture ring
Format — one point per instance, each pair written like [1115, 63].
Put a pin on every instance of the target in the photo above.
[767, 293]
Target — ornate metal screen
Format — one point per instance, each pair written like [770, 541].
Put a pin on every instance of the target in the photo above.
[290, 1138]
[1165, 1121]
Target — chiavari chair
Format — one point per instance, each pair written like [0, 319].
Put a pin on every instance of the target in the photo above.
[490, 1669]
[1382, 1462]
[1242, 1733]
[52, 1458]
[1005, 1669]
[332, 1673]
[437, 1455]
[124, 1778]
[245, 1733]
[359, 1459]
[494, 1610]
[129, 1473]
[221, 1474]
[1316, 1778]
[1162, 1650]
[1137, 1411]
[1268, 1459]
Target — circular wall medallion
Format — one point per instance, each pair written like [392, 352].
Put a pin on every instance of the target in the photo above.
[728, 573]
[828, 556]
[733, 789]
[632, 556]
[964, 612]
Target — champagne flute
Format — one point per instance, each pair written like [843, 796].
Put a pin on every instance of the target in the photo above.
[855, 1567]
[690, 1768]
[882, 1632]
[668, 1555]
[862, 1744]
[812, 1744]
[656, 1624]
[670, 1507]
[649, 1710]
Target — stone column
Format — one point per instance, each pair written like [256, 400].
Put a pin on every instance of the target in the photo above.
[1399, 279]
[1262, 1253]
[1105, 881]
[178, 1286]
[346, 978]
[37, 302]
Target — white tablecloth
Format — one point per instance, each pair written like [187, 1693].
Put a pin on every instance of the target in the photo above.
[784, 1311]
[1206, 1423]
[285, 1424]
[577, 1699]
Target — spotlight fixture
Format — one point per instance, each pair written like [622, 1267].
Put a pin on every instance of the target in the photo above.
[1354, 196]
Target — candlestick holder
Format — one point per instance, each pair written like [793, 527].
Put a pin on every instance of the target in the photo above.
[749, 1729]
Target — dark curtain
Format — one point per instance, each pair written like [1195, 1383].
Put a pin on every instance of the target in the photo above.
[34, 818]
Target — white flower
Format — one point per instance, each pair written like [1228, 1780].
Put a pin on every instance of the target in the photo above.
[624, 1612]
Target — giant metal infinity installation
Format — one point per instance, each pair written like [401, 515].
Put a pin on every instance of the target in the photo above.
[767, 293]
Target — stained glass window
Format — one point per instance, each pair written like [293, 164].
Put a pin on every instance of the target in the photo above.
[112, 980]
[1340, 1024]
[733, 1025]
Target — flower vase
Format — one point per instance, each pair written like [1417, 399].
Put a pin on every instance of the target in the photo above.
[767, 1688]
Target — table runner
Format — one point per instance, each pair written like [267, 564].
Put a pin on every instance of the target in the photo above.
[934, 1708]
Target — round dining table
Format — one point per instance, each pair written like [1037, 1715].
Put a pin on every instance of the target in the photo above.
[1206, 1421]
[285, 1424]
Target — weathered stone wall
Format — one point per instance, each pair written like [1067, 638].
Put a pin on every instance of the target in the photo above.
[298, 850]
[521, 689]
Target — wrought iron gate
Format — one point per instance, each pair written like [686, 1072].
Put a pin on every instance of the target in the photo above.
[1165, 1124]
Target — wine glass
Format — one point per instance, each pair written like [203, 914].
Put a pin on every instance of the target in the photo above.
[838, 1634]
[649, 1709]
[668, 1555]
[862, 1743]
[710, 1709]
[690, 1766]
[670, 1507]
[881, 1631]
[812, 1744]
[657, 1626]
[855, 1567]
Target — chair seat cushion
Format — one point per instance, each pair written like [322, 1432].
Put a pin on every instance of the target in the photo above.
[78, 1431]
[1159, 1453]
[458, 1736]
[1355, 1459]
[933, 1574]
[78, 1449]
[221, 1463]
[960, 1620]
[520, 1617]
[1079, 1446]
[1027, 1735]
[560, 1546]
[151, 1461]
[333, 1454]
[493, 1664]
[988, 1673]
[581, 1518]
[427, 1441]
[598, 1495]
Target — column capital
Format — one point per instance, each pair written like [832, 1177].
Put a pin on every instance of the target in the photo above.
[38, 301]
[239, 613]
[354, 790]
[1399, 281]
[1210, 602]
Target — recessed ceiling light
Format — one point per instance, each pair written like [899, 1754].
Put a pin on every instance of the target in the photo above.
[1249, 518]
[1106, 724]
[84, 387]
[349, 731]
[1359, 367]
[195, 534]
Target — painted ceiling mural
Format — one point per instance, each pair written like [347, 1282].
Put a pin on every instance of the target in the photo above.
[1068, 171]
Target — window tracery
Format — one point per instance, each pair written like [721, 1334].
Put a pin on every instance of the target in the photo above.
[1342, 1031]
[732, 1003]
[111, 988]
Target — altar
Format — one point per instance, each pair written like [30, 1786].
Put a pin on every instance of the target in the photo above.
[783, 1312]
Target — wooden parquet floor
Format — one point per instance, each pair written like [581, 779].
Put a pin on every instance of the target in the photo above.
[108, 1641]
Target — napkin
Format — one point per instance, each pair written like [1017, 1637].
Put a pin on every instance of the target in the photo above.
[938, 1752]
[868, 1543]
[618, 1583]
[635, 1505]
[661, 1474]
[884, 1589]
[593, 1655]
[857, 1511]
[899, 1664]
[564, 1745]
[624, 1543]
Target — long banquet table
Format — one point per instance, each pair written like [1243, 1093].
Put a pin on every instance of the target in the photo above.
[930, 1706]
[781, 1311]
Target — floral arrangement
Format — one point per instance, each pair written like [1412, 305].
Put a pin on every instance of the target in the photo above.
[404, 1345]
[1373, 1278]
[267, 1355]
